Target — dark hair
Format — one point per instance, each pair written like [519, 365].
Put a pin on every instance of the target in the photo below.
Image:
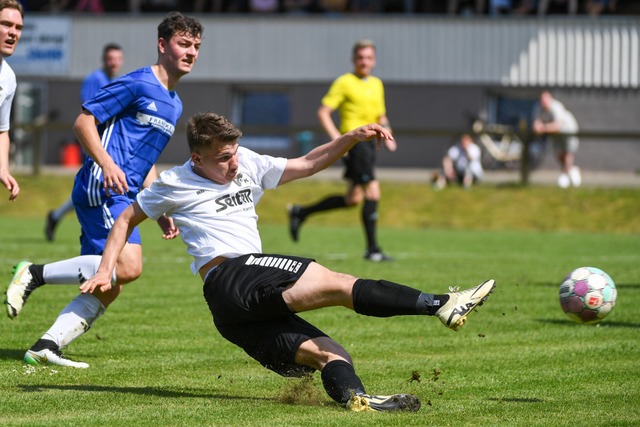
[176, 23]
[109, 47]
[12, 4]
[204, 129]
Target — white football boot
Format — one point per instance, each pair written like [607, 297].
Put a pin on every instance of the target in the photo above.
[395, 402]
[454, 313]
[47, 352]
[19, 289]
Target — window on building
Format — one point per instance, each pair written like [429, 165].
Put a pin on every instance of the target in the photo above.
[264, 116]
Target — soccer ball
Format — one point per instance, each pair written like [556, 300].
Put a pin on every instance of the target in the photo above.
[587, 295]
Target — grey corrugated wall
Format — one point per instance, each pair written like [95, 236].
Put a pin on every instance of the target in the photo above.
[578, 52]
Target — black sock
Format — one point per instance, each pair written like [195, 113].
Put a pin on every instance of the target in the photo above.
[430, 303]
[331, 202]
[380, 298]
[41, 344]
[369, 221]
[340, 380]
[37, 273]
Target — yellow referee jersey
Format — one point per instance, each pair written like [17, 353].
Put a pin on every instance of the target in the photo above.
[359, 101]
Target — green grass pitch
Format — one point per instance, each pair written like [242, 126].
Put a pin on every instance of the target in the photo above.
[157, 360]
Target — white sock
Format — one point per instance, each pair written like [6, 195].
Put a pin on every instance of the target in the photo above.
[63, 209]
[75, 319]
[73, 271]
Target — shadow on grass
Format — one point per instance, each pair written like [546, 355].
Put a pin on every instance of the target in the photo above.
[516, 399]
[603, 324]
[11, 354]
[143, 391]
[557, 285]
[628, 285]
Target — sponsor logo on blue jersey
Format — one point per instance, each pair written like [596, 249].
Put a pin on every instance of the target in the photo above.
[156, 122]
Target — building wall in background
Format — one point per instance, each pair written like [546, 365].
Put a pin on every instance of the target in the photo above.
[439, 74]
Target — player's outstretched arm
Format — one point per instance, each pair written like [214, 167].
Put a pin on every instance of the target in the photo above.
[326, 154]
[118, 235]
[169, 230]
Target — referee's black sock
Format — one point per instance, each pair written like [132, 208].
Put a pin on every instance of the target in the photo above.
[380, 298]
[340, 380]
[369, 220]
[331, 202]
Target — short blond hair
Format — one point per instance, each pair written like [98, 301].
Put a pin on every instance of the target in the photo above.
[361, 44]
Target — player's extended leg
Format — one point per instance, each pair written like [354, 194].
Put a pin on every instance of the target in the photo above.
[320, 287]
[80, 314]
[28, 277]
[341, 382]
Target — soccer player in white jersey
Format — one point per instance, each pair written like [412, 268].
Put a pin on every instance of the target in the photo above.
[11, 15]
[135, 115]
[253, 297]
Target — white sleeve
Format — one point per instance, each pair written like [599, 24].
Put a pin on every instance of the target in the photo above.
[268, 170]
[156, 200]
[563, 116]
[5, 113]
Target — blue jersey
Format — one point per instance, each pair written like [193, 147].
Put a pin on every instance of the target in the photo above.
[137, 117]
[92, 83]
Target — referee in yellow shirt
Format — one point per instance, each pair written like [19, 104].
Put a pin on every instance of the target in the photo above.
[359, 98]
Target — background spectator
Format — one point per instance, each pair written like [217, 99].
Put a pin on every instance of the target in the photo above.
[552, 118]
[461, 164]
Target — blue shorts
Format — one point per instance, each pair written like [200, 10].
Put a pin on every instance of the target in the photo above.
[96, 222]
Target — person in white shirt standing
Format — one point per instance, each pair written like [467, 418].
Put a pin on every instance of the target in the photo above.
[11, 16]
[551, 118]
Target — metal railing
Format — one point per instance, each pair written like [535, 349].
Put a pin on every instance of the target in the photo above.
[520, 134]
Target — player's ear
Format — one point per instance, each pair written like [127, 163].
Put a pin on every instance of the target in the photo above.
[196, 159]
[162, 43]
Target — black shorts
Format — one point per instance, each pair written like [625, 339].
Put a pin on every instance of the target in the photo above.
[360, 163]
[245, 298]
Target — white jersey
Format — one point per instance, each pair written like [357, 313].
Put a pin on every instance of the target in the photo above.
[7, 91]
[214, 219]
[466, 160]
[558, 113]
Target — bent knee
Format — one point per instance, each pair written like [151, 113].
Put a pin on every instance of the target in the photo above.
[353, 201]
[128, 273]
[317, 352]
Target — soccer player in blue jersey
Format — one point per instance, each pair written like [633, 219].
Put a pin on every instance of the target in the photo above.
[112, 59]
[123, 129]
